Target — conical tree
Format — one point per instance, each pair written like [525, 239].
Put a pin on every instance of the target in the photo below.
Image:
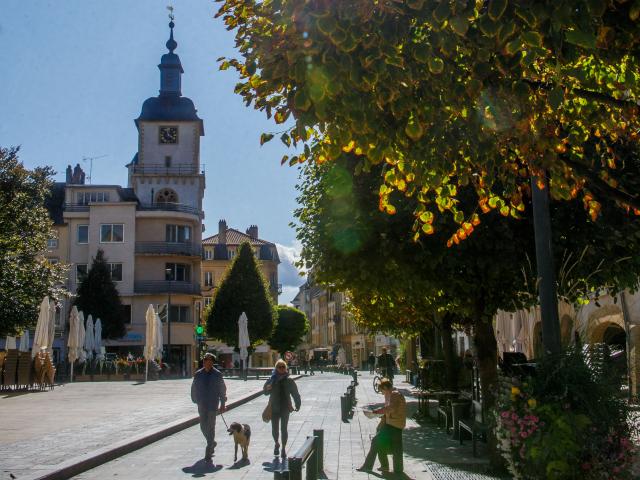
[291, 326]
[98, 296]
[243, 289]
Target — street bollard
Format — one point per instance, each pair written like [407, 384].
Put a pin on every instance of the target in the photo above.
[295, 469]
[312, 462]
[319, 434]
[344, 407]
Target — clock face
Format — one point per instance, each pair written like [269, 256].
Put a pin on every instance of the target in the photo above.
[168, 134]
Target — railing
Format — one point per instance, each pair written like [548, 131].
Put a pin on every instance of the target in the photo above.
[348, 401]
[166, 286]
[310, 453]
[180, 169]
[170, 207]
[76, 207]
[171, 248]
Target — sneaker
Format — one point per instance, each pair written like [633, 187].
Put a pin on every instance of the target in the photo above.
[276, 449]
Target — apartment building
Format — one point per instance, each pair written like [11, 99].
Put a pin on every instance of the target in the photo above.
[150, 231]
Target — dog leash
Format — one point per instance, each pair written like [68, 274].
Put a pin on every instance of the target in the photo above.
[225, 422]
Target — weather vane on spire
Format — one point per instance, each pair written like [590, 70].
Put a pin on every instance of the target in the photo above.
[171, 16]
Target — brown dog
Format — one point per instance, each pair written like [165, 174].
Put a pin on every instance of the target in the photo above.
[241, 436]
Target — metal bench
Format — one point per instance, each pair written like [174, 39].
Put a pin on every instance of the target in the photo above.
[475, 425]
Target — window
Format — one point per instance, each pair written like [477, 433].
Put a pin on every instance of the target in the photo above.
[53, 260]
[207, 301]
[208, 254]
[126, 313]
[116, 271]
[52, 243]
[177, 272]
[112, 233]
[178, 233]
[81, 272]
[84, 198]
[179, 313]
[57, 320]
[166, 195]
[208, 279]
[83, 234]
[167, 161]
[232, 253]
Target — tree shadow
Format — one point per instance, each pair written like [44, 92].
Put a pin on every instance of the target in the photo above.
[201, 467]
[276, 465]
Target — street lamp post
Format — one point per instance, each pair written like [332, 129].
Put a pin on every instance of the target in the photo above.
[169, 273]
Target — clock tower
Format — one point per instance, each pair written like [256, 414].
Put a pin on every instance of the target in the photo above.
[165, 172]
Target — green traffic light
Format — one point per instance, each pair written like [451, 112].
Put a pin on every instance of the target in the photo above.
[199, 330]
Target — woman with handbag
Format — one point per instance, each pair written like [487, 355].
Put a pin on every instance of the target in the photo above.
[282, 389]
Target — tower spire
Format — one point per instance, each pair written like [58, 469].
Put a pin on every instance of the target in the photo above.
[170, 66]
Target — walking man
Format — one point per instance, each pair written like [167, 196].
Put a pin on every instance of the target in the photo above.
[387, 364]
[372, 362]
[210, 393]
[388, 440]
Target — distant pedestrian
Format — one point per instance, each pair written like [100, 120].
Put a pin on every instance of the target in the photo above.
[372, 362]
[210, 393]
[386, 364]
[388, 440]
[282, 389]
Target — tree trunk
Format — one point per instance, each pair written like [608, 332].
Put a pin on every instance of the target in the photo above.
[487, 355]
[450, 363]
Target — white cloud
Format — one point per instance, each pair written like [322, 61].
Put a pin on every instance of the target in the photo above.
[288, 273]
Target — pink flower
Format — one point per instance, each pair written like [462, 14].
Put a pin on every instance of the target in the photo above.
[586, 466]
[524, 434]
[504, 414]
[514, 416]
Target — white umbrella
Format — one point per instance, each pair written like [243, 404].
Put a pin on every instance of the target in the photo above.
[243, 338]
[24, 342]
[73, 345]
[52, 325]
[10, 343]
[41, 336]
[97, 339]
[82, 356]
[88, 338]
[158, 329]
[149, 339]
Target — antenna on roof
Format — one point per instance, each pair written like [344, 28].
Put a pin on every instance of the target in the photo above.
[90, 160]
[170, 8]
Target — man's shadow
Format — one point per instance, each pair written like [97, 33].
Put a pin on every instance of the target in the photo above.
[200, 468]
[276, 465]
[243, 462]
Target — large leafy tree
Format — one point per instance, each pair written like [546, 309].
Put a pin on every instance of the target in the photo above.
[97, 295]
[26, 276]
[452, 93]
[291, 326]
[243, 289]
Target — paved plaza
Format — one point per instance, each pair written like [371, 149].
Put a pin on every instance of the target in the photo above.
[429, 453]
[43, 429]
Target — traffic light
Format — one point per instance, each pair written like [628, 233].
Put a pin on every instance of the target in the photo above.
[199, 330]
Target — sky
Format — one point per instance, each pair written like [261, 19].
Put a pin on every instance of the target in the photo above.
[76, 72]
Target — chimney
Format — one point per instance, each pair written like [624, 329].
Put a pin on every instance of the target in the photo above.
[69, 174]
[222, 231]
[77, 177]
[252, 231]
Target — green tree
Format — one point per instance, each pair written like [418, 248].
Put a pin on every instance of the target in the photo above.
[291, 326]
[98, 296]
[450, 94]
[26, 276]
[243, 289]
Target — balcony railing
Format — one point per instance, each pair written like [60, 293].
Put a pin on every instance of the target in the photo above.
[169, 248]
[169, 207]
[76, 207]
[166, 286]
[181, 169]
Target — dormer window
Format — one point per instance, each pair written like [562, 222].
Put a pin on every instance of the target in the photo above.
[84, 198]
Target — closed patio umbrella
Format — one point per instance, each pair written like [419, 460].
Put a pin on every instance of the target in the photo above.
[41, 335]
[159, 340]
[52, 326]
[149, 339]
[82, 356]
[88, 338]
[97, 339]
[243, 338]
[24, 342]
[73, 345]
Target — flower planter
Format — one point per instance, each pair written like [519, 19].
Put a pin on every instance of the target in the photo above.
[82, 378]
[116, 377]
[136, 377]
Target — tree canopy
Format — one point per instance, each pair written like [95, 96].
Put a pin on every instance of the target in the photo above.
[26, 276]
[243, 289]
[291, 326]
[97, 295]
[452, 93]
